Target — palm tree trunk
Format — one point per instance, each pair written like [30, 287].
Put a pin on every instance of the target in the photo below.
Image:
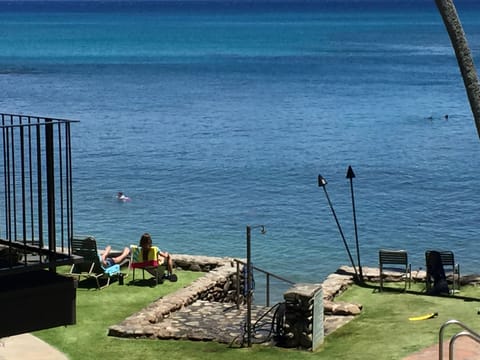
[463, 55]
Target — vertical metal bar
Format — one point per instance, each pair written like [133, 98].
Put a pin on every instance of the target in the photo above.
[9, 192]
[10, 226]
[39, 185]
[60, 175]
[23, 189]
[30, 180]
[70, 186]
[22, 204]
[268, 289]
[238, 284]
[50, 169]
[14, 185]
[5, 175]
[249, 289]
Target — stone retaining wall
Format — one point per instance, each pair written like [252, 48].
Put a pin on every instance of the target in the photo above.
[299, 315]
[221, 281]
[220, 285]
[299, 306]
[206, 318]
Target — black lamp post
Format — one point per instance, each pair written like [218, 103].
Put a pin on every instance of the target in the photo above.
[250, 280]
[322, 183]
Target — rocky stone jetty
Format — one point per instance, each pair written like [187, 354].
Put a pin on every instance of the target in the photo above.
[209, 309]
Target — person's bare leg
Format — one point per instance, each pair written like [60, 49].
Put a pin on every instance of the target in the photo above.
[169, 264]
[105, 254]
[123, 256]
[167, 260]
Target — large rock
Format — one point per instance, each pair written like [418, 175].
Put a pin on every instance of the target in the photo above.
[341, 308]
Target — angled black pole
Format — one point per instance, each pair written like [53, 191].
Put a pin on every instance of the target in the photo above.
[322, 183]
[351, 175]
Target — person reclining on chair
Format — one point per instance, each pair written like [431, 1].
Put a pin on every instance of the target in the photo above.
[163, 256]
[108, 260]
[436, 271]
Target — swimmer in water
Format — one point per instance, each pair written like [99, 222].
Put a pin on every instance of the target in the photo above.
[121, 196]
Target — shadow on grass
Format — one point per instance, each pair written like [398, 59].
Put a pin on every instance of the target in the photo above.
[421, 292]
[144, 282]
[91, 283]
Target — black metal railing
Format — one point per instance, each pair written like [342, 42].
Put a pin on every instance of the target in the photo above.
[37, 203]
[268, 277]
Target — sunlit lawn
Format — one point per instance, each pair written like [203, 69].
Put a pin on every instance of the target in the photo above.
[382, 331]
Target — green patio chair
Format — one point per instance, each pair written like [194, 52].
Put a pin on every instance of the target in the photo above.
[92, 266]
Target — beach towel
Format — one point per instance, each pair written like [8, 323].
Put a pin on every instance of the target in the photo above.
[138, 259]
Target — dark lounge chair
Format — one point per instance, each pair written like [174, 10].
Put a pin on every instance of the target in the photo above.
[394, 261]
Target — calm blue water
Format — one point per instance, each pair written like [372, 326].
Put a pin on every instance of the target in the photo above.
[212, 116]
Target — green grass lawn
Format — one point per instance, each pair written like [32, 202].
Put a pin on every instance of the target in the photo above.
[382, 330]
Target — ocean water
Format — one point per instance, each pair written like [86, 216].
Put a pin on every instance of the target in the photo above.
[215, 115]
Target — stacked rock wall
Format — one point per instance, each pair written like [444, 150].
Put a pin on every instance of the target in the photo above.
[299, 315]
[220, 284]
[226, 277]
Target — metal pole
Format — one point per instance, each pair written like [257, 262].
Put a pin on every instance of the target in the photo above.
[339, 227]
[351, 175]
[238, 284]
[249, 288]
[50, 168]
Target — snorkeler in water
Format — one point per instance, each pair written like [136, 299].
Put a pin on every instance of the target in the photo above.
[122, 197]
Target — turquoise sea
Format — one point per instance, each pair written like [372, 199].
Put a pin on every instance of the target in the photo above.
[212, 115]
